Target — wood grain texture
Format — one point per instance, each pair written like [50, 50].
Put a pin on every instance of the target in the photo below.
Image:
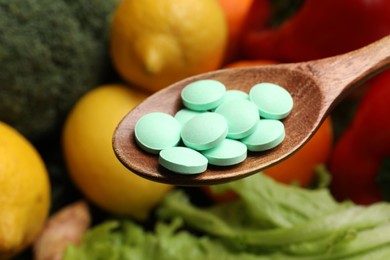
[316, 87]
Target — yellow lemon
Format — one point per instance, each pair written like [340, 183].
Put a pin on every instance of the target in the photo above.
[92, 164]
[24, 192]
[155, 43]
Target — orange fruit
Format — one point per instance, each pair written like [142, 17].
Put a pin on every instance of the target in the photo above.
[236, 12]
[300, 167]
[247, 63]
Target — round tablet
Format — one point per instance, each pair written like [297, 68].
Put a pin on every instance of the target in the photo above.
[204, 131]
[235, 94]
[269, 133]
[183, 160]
[227, 153]
[241, 116]
[156, 131]
[183, 115]
[273, 101]
[203, 95]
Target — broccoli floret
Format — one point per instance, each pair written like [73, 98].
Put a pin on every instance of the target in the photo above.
[51, 53]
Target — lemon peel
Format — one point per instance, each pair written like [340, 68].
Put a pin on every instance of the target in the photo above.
[157, 52]
[25, 192]
[90, 158]
[156, 43]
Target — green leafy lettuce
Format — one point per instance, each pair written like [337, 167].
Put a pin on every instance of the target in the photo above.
[269, 221]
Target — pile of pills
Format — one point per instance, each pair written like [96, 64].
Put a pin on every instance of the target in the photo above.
[216, 126]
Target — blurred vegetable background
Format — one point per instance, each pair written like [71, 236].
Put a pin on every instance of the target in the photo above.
[52, 52]
[71, 69]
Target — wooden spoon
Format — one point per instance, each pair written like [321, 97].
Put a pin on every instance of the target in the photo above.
[316, 87]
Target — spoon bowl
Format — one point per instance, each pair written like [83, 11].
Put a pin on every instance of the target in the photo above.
[316, 87]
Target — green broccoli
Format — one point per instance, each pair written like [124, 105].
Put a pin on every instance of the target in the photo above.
[51, 53]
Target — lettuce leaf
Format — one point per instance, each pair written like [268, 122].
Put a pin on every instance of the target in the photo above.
[271, 217]
[269, 221]
[117, 240]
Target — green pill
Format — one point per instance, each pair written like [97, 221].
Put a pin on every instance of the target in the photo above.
[183, 160]
[157, 131]
[203, 95]
[241, 116]
[269, 133]
[204, 131]
[183, 115]
[272, 101]
[229, 152]
[235, 94]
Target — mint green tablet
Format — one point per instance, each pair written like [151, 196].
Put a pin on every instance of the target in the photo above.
[204, 131]
[183, 160]
[241, 116]
[156, 131]
[203, 95]
[229, 152]
[269, 133]
[273, 101]
[183, 115]
[234, 94]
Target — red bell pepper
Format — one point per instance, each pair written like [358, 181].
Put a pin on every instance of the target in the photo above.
[321, 28]
[360, 162]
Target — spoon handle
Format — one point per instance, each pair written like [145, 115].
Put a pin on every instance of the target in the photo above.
[339, 74]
